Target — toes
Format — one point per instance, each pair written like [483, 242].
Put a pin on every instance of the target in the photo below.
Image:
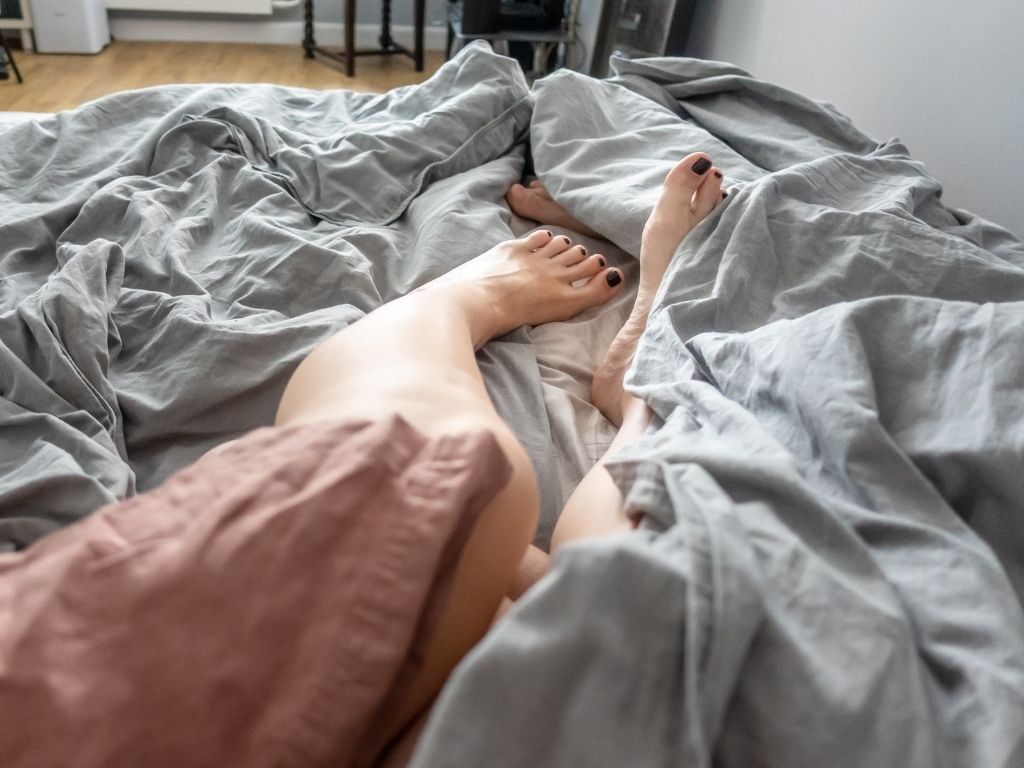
[573, 255]
[536, 239]
[601, 287]
[683, 182]
[709, 194]
[585, 268]
[556, 245]
[691, 172]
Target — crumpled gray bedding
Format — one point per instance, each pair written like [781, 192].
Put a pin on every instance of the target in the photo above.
[167, 256]
[833, 485]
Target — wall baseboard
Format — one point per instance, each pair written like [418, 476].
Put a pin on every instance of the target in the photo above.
[267, 32]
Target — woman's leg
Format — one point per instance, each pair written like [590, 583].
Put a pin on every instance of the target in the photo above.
[691, 191]
[415, 357]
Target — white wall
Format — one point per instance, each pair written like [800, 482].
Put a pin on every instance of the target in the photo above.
[946, 76]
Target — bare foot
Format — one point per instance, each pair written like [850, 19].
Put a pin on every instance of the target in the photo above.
[529, 281]
[691, 191]
[534, 202]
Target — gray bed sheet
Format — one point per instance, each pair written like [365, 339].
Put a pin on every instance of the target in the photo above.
[831, 566]
[832, 487]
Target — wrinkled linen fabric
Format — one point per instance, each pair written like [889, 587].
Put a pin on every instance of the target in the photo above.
[169, 255]
[831, 566]
[266, 606]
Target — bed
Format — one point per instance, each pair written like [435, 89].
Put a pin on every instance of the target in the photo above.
[831, 567]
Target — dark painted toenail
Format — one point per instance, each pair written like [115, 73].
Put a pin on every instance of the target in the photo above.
[567, 240]
[725, 195]
[701, 166]
[582, 250]
[614, 278]
[718, 174]
[550, 233]
[600, 260]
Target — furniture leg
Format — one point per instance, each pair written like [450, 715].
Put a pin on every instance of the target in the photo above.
[308, 43]
[388, 46]
[385, 24]
[420, 12]
[9, 59]
[350, 38]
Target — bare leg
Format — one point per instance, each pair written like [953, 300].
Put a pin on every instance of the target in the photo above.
[415, 357]
[691, 191]
[595, 508]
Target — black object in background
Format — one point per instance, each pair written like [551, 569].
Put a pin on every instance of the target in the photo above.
[7, 59]
[482, 17]
[10, 9]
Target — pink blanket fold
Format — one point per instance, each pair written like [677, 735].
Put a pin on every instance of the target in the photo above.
[260, 608]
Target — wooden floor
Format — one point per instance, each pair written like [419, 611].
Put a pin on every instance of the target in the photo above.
[56, 82]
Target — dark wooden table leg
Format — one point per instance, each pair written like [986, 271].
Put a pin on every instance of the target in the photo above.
[308, 43]
[385, 24]
[350, 38]
[420, 11]
[6, 54]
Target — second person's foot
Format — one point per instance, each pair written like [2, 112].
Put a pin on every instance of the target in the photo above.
[691, 191]
[534, 202]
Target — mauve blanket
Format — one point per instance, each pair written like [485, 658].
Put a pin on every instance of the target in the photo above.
[267, 606]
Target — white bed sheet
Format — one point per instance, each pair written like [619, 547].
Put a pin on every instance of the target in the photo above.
[8, 119]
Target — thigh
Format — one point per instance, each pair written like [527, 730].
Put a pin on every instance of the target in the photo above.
[486, 571]
[427, 373]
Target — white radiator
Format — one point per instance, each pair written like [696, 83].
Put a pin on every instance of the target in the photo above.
[251, 7]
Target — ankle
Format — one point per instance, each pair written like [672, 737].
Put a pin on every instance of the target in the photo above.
[470, 301]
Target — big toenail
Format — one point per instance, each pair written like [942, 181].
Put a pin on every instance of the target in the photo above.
[701, 166]
[718, 174]
[613, 277]
[600, 260]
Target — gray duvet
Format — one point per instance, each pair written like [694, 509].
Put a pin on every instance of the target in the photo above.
[834, 488]
[832, 564]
